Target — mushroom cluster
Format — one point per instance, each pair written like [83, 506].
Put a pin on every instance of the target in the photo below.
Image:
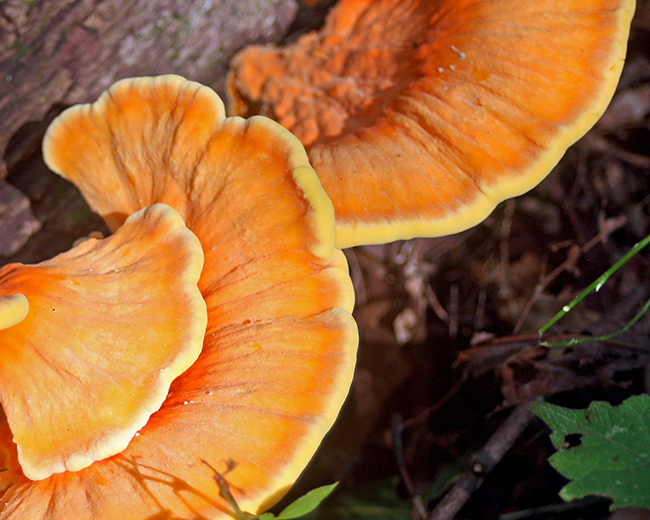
[213, 330]
[126, 366]
[419, 116]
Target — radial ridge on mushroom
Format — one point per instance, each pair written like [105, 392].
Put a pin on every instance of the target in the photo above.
[109, 325]
[420, 116]
[280, 345]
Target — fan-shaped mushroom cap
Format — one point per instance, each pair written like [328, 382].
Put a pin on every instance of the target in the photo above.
[419, 116]
[279, 351]
[111, 323]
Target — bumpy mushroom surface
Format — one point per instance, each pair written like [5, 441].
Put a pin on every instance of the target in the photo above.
[419, 116]
[110, 324]
[279, 351]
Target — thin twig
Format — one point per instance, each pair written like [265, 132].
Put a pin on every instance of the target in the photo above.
[425, 414]
[482, 462]
[506, 291]
[553, 510]
[435, 304]
[596, 284]
[419, 511]
[569, 264]
[453, 311]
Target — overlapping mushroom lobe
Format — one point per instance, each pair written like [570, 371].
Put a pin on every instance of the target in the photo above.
[280, 345]
[109, 325]
[419, 116]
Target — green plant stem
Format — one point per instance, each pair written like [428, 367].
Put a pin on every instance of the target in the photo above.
[597, 284]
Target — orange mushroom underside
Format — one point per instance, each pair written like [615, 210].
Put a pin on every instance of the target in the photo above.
[280, 346]
[110, 324]
[419, 116]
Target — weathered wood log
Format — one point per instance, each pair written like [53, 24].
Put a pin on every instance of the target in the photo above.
[62, 52]
[69, 51]
[17, 223]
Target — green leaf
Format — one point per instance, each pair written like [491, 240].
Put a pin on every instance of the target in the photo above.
[375, 500]
[306, 503]
[266, 516]
[379, 500]
[604, 450]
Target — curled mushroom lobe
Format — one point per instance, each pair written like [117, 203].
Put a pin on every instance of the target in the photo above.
[110, 324]
[278, 353]
[419, 116]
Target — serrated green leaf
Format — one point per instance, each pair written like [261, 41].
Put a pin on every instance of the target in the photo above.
[306, 503]
[604, 450]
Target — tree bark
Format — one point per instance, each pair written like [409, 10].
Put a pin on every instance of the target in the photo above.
[69, 51]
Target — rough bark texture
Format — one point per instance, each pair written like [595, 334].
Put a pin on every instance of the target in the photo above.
[55, 53]
[17, 222]
[69, 51]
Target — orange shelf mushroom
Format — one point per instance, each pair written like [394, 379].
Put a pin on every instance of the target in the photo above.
[280, 345]
[8, 456]
[105, 328]
[419, 116]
